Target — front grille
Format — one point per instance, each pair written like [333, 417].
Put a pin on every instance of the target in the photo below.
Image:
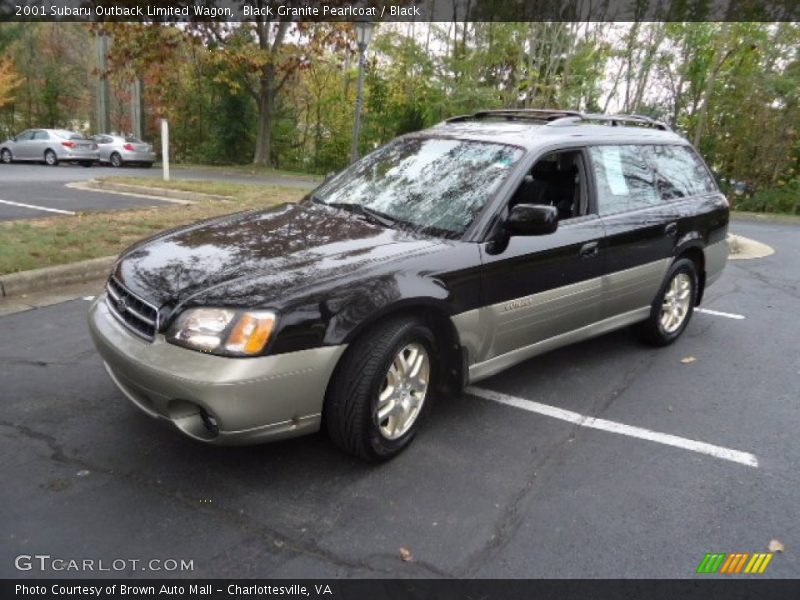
[137, 315]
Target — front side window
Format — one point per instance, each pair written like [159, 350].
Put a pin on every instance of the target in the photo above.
[625, 179]
[25, 136]
[680, 173]
[437, 184]
[557, 179]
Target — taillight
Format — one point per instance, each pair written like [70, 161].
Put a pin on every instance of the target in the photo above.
[128, 147]
[68, 144]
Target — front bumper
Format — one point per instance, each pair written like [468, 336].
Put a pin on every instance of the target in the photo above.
[216, 399]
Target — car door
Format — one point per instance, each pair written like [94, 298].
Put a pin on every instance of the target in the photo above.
[104, 144]
[537, 288]
[22, 148]
[640, 228]
[40, 143]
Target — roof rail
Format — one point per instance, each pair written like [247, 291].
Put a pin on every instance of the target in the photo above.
[513, 114]
[558, 118]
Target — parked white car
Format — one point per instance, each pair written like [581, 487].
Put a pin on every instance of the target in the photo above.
[50, 146]
[120, 150]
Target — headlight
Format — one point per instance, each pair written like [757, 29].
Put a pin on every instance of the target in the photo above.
[223, 331]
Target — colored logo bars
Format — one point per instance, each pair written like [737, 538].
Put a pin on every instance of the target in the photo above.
[734, 562]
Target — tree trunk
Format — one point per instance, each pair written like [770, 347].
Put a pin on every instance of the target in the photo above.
[266, 106]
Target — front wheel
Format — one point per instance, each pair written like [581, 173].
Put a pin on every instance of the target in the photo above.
[673, 307]
[381, 390]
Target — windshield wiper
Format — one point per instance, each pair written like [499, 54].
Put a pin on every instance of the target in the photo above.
[362, 210]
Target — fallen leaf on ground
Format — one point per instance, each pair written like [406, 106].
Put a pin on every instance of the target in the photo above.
[406, 555]
[775, 546]
[688, 359]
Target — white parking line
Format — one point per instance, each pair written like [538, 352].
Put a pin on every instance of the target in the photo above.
[718, 313]
[53, 210]
[744, 458]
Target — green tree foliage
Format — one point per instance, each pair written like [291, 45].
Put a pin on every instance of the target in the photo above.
[284, 93]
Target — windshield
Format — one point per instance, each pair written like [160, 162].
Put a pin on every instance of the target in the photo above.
[437, 184]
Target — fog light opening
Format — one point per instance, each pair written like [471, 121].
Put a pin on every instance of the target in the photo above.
[210, 422]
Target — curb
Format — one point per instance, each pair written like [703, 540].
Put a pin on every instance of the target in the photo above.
[153, 191]
[48, 278]
[742, 248]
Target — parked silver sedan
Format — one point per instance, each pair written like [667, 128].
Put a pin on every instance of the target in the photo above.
[50, 146]
[119, 150]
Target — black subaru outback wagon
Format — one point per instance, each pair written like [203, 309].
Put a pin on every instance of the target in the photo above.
[439, 259]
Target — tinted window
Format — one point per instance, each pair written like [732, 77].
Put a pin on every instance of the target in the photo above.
[680, 172]
[435, 183]
[625, 179]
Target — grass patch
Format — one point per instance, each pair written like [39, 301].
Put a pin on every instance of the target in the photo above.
[239, 191]
[37, 243]
[248, 170]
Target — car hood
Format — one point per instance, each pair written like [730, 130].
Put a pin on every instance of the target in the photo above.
[249, 259]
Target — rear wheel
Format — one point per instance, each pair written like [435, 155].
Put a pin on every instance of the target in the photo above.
[50, 158]
[673, 307]
[381, 390]
[116, 160]
[6, 157]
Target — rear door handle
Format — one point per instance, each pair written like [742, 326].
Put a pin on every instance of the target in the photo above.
[671, 228]
[589, 250]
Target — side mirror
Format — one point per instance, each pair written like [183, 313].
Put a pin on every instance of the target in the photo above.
[532, 219]
[14, 139]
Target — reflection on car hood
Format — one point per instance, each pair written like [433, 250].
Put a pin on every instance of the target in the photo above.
[245, 259]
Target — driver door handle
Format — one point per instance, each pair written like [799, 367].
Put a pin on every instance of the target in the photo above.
[589, 250]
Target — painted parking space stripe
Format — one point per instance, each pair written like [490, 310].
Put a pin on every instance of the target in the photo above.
[34, 207]
[718, 313]
[743, 458]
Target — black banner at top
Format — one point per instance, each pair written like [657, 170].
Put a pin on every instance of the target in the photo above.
[398, 10]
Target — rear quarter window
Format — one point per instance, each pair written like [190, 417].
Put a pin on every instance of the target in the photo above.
[680, 172]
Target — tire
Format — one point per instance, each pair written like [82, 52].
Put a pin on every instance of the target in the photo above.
[668, 315]
[370, 368]
[116, 160]
[6, 156]
[50, 158]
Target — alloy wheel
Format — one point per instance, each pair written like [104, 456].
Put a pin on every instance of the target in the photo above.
[403, 391]
[677, 302]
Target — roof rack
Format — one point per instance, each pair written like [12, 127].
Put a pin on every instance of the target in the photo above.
[517, 114]
[558, 118]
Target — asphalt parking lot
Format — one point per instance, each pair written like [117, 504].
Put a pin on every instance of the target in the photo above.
[33, 191]
[486, 490]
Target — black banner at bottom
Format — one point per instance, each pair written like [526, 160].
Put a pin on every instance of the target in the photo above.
[397, 589]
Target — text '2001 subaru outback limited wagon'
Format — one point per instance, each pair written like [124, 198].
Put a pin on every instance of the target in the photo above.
[437, 260]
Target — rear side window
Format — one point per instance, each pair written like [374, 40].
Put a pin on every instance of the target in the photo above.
[680, 173]
[625, 178]
[41, 135]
